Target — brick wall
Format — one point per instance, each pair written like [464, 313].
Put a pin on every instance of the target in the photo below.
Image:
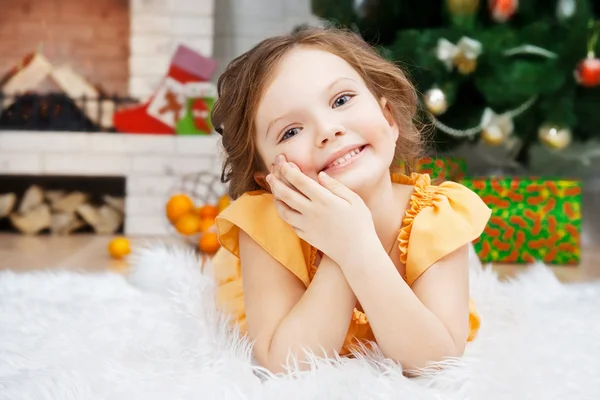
[91, 36]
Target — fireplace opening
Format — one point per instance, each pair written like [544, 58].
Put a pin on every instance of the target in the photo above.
[62, 205]
[57, 111]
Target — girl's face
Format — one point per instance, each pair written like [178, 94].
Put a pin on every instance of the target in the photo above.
[319, 114]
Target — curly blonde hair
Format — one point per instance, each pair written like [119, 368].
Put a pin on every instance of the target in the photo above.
[241, 86]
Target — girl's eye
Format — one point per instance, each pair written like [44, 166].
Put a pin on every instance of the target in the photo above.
[340, 101]
[289, 134]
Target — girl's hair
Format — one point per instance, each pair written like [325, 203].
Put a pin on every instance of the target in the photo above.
[241, 86]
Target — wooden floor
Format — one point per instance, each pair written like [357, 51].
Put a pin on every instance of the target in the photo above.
[88, 253]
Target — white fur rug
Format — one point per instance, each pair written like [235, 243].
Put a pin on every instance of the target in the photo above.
[155, 335]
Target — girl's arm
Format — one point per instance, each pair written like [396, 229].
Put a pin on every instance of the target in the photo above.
[283, 316]
[418, 325]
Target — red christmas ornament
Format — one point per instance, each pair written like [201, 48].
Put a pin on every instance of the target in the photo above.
[503, 10]
[588, 72]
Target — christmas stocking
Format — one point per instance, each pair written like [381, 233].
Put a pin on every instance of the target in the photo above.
[162, 112]
[200, 98]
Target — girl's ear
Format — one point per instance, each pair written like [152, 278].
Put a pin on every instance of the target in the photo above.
[389, 116]
[261, 179]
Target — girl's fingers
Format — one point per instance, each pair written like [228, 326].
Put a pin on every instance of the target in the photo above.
[277, 171]
[288, 214]
[303, 184]
[290, 196]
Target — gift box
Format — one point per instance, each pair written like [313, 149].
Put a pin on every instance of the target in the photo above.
[440, 169]
[532, 220]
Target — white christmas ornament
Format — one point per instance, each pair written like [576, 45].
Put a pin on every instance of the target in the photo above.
[435, 100]
[496, 127]
[565, 9]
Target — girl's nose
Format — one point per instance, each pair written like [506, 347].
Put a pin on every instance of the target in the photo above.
[329, 132]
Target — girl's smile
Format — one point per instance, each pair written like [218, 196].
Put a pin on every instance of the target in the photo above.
[344, 158]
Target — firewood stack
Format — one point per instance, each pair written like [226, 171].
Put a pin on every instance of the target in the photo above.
[62, 213]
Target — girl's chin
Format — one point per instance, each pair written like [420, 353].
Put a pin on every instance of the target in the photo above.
[359, 180]
[362, 175]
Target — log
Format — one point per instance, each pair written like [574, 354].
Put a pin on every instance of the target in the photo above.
[89, 214]
[65, 222]
[104, 220]
[70, 203]
[76, 87]
[109, 220]
[33, 197]
[7, 203]
[52, 196]
[29, 72]
[118, 203]
[33, 221]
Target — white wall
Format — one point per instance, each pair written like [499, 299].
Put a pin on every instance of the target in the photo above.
[240, 24]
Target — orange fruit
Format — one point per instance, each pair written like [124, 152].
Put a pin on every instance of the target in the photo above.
[177, 206]
[119, 247]
[209, 243]
[224, 201]
[188, 224]
[208, 211]
[206, 224]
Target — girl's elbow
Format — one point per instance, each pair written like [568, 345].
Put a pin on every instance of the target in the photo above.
[430, 357]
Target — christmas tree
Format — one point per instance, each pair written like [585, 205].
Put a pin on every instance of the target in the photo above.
[506, 72]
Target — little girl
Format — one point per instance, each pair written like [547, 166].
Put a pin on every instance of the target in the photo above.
[326, 247]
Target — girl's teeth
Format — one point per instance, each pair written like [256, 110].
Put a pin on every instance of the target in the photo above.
[346, 157]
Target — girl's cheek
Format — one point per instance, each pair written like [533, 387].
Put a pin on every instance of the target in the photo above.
[299, 164]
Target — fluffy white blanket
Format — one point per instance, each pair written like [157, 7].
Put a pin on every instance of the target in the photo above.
[155, 335]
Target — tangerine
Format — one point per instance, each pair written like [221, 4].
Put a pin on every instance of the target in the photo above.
[119, 247]
[209, 243]
[188, 224]
[208, 211]
[206, 224]
[177, 206]
[224, 201]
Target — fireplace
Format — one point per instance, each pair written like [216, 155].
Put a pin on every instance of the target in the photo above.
[86, 59]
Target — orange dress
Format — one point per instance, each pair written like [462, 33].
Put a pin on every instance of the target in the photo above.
[439, 220]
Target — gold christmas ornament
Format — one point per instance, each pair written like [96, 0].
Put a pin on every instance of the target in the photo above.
[555, 137]
[462, 7]
[462, 54]
[435, 100]
[465, 65]
[496, 127]
[493, 136]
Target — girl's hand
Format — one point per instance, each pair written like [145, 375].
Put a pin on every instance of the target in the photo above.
[326, 214]
[276, 171]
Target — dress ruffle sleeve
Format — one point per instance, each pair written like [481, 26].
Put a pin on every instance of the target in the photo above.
[255, 213]
[440, 220]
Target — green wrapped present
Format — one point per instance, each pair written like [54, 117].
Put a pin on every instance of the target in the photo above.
[532, 220]
[440, 169]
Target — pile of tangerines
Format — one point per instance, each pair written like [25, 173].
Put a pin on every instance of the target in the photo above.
[193, 220]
